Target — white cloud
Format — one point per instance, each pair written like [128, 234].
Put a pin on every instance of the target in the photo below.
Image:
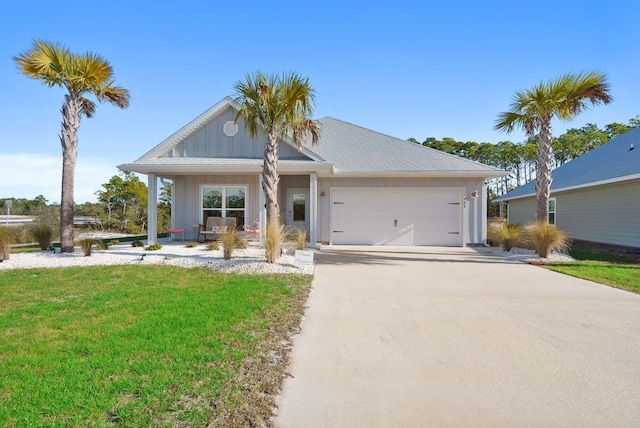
[27, 175]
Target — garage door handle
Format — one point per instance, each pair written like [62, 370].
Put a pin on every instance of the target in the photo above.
[338, 231]
[454, 203]
[454, 233]
[338, 203]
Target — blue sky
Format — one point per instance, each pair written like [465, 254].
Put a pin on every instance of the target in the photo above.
[403, 68]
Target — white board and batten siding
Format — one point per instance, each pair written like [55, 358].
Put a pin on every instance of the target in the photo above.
[210, 141]
[188, 203]
[397, 216]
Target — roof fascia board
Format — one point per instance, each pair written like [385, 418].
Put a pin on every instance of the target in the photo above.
[208, 169]
[580, 186]
[453, 174]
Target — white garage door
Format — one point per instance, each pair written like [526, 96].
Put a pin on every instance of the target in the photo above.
[396, 216]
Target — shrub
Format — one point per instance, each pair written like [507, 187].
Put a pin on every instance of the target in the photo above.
[137, 244]
[507, 235]
[544, 238]
[114, 242]
[275, 235]
[191, 245]
[230, 240]
[299, 237]
[154, 247]
[101, 245]
[6, 238]
[87, 245]
[20, 234]
[213, 246]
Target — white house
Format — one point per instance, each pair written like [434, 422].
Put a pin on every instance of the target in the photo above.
[356, 186]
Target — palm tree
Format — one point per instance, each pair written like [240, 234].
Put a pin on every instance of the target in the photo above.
[533, 110]
[278, 106]
[80, 75]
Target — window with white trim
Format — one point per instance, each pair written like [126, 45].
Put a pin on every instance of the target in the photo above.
[224, 201]
[552, 212]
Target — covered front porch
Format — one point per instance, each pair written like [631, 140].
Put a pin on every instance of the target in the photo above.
[196, 197]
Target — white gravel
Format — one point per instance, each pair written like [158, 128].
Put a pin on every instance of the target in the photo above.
[249, 261]
[529, 256]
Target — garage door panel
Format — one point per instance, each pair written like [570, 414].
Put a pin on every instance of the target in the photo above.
[396, 216]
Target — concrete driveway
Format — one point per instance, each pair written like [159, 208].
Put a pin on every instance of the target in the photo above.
[423, 337]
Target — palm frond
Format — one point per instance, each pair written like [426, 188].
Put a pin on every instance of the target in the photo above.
[563, 97]
[88, 106]
[277, 104]
[45, 61]
[55, 65]
[115, 95]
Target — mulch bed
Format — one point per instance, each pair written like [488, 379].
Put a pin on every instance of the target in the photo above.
[629, 252]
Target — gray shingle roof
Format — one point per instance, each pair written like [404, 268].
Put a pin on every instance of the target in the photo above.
[613, 160]
[350, 149]
[353, 149]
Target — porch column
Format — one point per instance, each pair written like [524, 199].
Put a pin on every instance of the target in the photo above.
[152, 209]
[262, 210]
[313, 210]
[483, 214]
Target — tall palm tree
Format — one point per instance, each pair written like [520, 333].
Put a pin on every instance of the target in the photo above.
[277, 105]
[80, 75]
[532, 110]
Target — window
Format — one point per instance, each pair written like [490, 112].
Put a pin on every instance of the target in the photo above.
[552, 211]
[224, 201]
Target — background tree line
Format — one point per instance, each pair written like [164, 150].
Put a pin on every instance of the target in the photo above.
[121, 206]
[520, 158]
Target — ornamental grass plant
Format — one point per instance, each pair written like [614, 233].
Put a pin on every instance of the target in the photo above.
[43, 234]
[86, 245]
[231, 240]
[299, 236]
[506, 235]
[544, 238]
[275, 236]
[6, 238]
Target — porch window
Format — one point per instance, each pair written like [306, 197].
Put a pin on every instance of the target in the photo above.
[224, 201]
[552, 211]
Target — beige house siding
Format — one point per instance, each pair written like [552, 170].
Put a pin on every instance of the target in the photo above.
[469, 185]
[609, 214]
[522, 211]
[187, 191]
[187, 194]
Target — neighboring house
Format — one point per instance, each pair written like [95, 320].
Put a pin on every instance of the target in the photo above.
[595, 197]
[355, 187]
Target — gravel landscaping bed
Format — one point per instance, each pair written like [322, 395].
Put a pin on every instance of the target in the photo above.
[529, 256]
[248, 261]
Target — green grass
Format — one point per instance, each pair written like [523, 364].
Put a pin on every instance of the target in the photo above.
[139, 345]
[601, 266]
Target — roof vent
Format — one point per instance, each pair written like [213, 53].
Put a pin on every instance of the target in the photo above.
[230, 128]
[631, 148]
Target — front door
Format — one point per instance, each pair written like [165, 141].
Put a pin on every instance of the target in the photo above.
[298, 208]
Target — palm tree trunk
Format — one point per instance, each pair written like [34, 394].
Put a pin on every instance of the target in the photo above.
[270, 178]
[69, 139]
[543, 171]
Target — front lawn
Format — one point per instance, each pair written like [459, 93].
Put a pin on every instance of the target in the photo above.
[601, 266]
[143, 345]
